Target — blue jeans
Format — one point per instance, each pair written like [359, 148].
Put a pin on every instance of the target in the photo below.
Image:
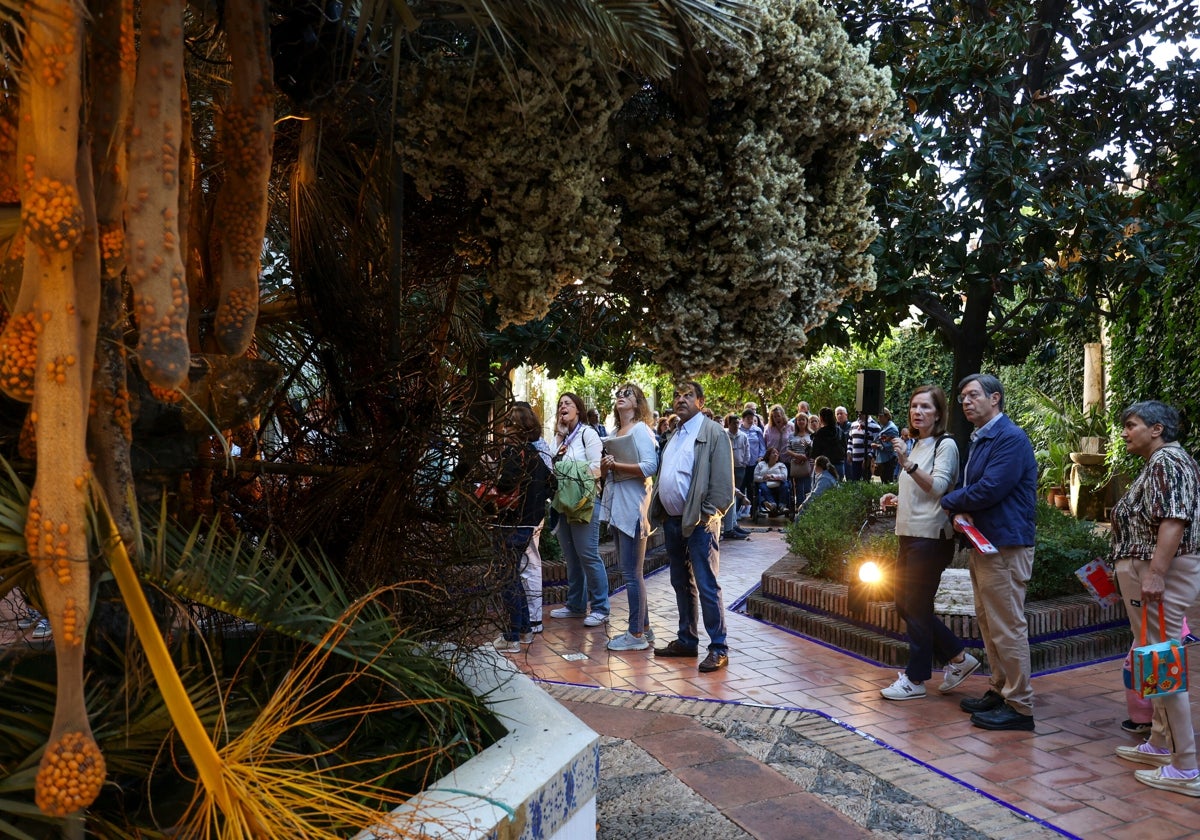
[694, 564]
[919, 570]
[587, 579]
[509, 545]
[632, 553]
[781, 495]
[801, 487]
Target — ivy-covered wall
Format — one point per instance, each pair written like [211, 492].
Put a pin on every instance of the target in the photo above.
[1154, 347]
[1155, 341]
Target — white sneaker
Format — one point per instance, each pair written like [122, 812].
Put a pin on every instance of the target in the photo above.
[595, 620]
[956, 672]
[902, 689]
[30, 619]
[628, 642]
[565, 612]
[505, 646]
[536, 627]
[42, 629]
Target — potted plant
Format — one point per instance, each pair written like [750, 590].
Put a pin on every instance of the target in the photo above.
[1074, 455]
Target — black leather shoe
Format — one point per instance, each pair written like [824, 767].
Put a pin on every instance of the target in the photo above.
[742, 530]
[715, 661]
[734, 535]
[1005, 717]
[675, 648]
[986, 703]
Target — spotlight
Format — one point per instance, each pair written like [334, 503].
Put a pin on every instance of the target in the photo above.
[870, 573]
[866, 580]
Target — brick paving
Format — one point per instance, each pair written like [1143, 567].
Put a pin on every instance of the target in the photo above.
[1064, 777]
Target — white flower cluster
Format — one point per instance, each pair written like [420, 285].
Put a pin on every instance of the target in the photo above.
[533, 151]
[739, 227]
[749, 224]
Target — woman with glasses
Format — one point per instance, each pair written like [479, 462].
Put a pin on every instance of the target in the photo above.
[629, 462]
[1156, 544]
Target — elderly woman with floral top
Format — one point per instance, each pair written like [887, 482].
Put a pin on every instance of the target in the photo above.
[1156, 545]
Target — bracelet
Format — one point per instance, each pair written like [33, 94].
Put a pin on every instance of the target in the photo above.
[912, 468]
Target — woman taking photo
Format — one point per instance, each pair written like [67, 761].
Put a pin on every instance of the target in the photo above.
[587, 579]
[1156, 545]
[926, 539]
[628, 466]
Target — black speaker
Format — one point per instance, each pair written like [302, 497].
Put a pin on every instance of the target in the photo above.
[869, 395]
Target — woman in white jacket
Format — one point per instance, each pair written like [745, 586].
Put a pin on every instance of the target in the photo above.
[926, 538]
[771, 477]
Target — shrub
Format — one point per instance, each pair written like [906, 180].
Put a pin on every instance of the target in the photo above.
[1063, 545]
[827, 531]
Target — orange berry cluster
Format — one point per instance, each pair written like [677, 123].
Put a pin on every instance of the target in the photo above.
[238, 312]
[70, 775]
[47, 543]
[243, 142]
[162, 344]
[112, 242]
[52, 215]
[57, 368]
[53, 60]
[18, 355]
[165, 395]
[68, 633]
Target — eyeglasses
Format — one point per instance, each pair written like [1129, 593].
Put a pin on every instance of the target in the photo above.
[972, 397]
[624, 392]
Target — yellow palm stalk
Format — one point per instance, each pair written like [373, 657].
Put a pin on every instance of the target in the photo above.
[250, 788]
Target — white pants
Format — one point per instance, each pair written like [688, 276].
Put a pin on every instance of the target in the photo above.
[531, 576]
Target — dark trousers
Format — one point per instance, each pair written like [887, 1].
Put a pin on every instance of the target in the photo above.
[695, 562]
[919, 570]
[509, 545]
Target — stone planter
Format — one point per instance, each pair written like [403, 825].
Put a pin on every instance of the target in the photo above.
[538, 781]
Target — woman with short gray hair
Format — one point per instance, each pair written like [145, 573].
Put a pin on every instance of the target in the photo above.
[1156, 545]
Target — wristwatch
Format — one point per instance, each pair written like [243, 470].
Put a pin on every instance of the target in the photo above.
[912, 468]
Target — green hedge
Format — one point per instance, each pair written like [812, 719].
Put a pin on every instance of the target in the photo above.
[827, 535]
[827, 531]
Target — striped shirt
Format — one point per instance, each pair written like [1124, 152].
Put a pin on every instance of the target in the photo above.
[1168, 487]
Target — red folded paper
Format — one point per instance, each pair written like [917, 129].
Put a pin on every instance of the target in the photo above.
[982, 544]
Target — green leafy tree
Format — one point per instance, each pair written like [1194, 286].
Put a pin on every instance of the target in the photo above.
[1009, 208]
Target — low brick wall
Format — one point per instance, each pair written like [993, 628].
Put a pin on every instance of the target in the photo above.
[1063, 631]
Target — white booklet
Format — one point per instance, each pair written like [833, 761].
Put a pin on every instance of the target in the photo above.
[623, 449]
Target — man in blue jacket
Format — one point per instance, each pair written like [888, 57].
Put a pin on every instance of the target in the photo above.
[999, 496]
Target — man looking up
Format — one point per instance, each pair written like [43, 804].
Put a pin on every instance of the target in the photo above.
[999, 497]
[693, 491]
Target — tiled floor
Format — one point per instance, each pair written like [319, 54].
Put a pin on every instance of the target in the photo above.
[1065, 774]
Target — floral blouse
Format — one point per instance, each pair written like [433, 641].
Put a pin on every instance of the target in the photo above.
[1168, 487]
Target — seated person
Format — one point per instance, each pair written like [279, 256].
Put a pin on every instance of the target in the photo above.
[823, 478]
[771, 478]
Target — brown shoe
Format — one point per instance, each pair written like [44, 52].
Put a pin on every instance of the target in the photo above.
[715, 661]
[676, 648]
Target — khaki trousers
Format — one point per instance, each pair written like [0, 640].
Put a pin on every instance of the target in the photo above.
[1171, 727]
[999, 581]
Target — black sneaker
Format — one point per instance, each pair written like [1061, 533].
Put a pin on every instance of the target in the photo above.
[989, 701]
[1135, 728]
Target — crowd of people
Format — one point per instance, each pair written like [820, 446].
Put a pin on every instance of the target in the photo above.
[693, 476]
